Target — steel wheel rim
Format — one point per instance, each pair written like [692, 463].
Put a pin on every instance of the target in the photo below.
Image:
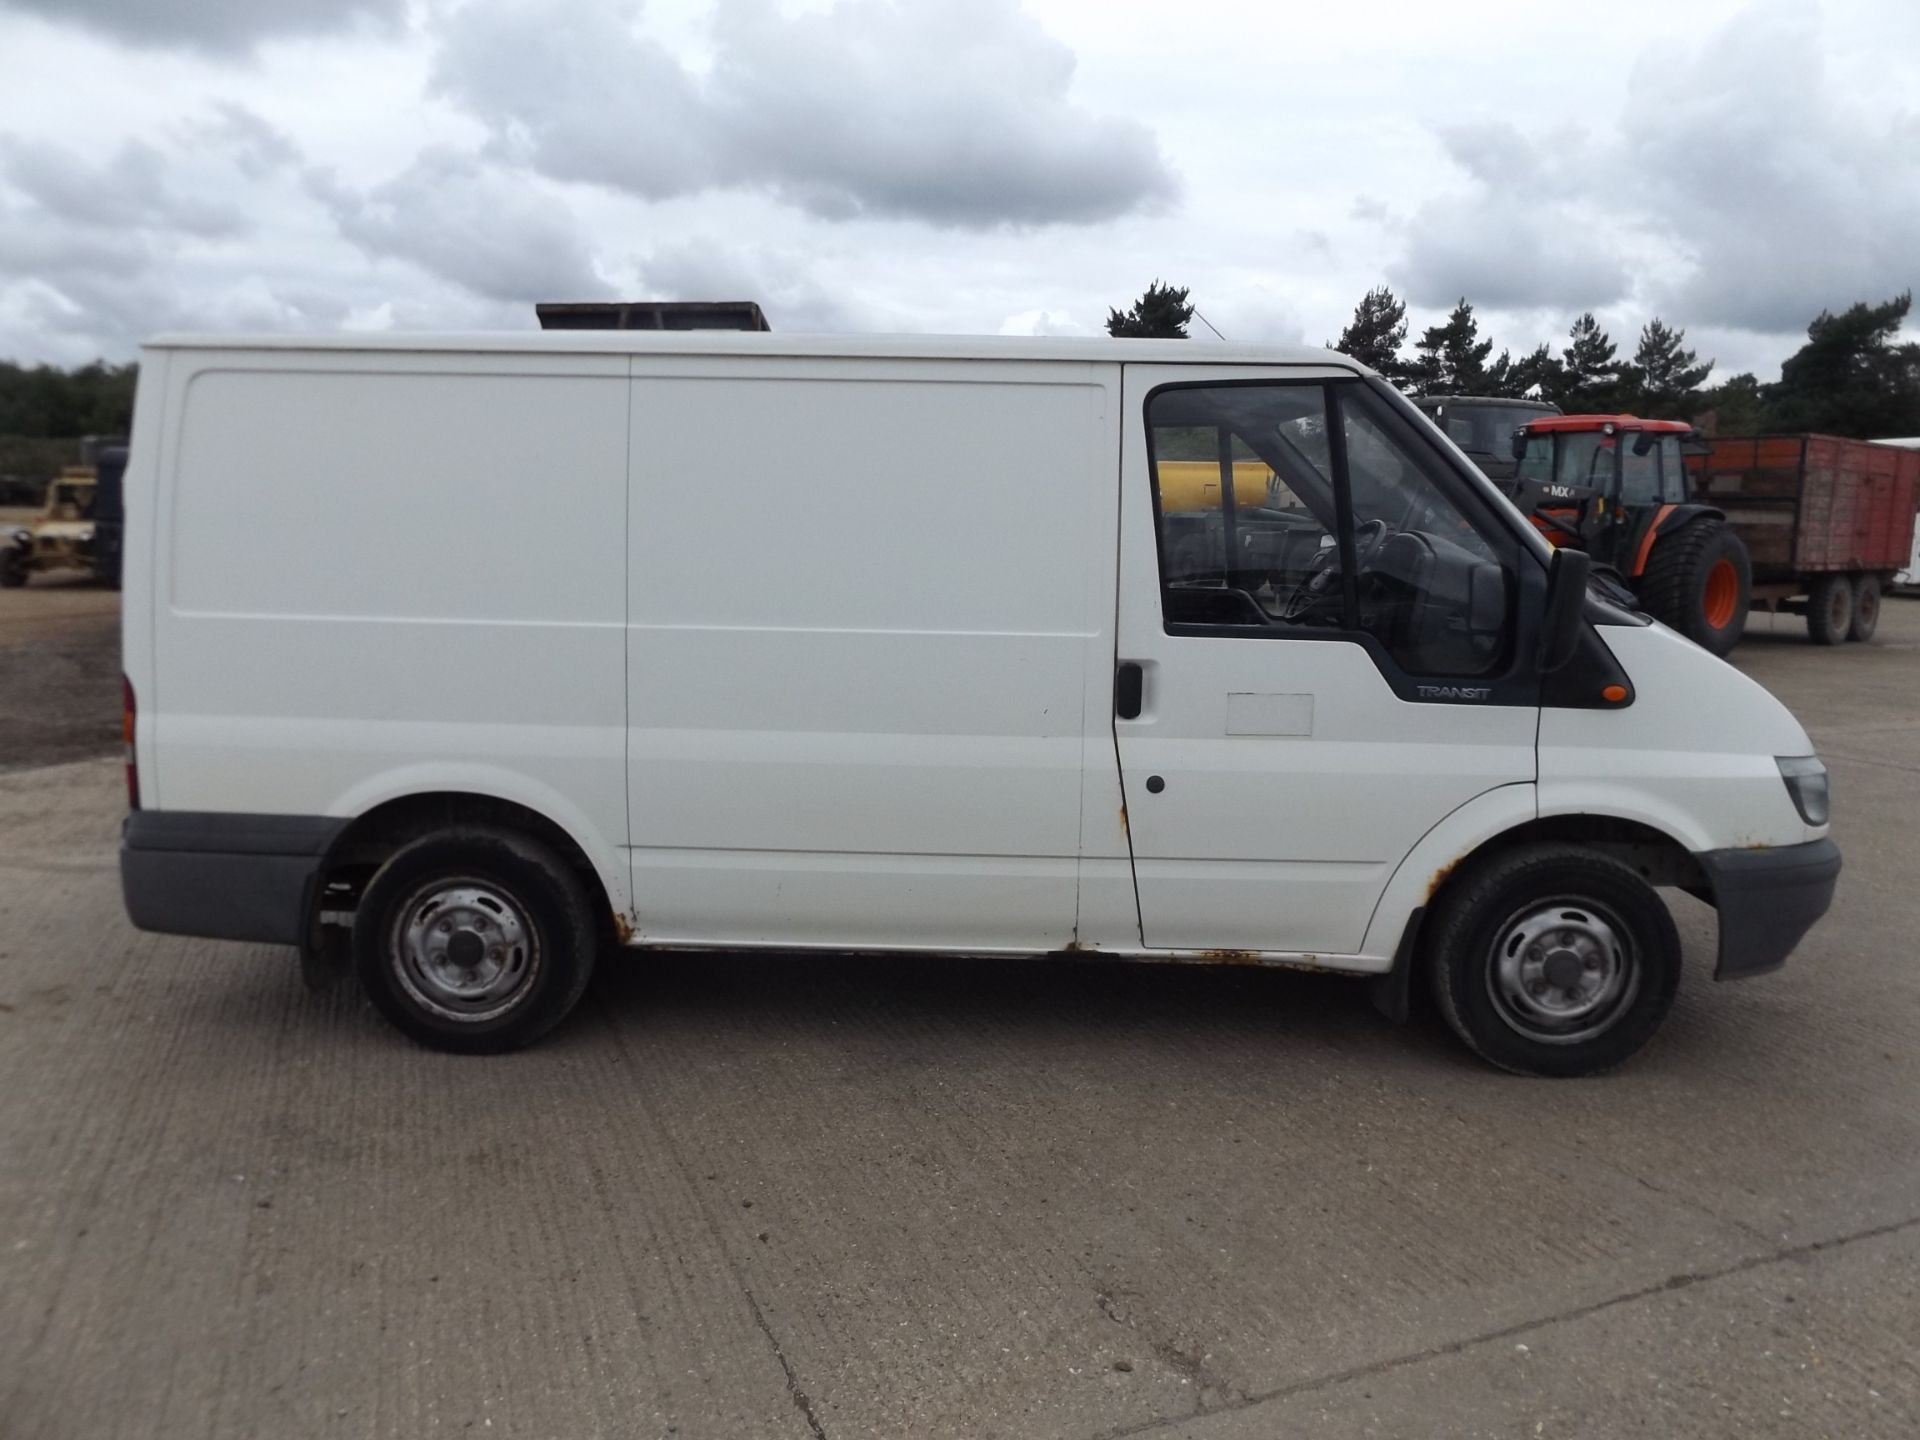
[1563, 970]
[464, 949]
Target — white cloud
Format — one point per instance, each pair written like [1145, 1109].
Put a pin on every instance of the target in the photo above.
[217, 25]
[941, 166]
[491, 231]
[1045, 322]
[954, 112]
[131, 191]
[1728, 182]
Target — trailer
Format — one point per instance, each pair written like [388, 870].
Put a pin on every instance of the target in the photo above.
[1828, 522]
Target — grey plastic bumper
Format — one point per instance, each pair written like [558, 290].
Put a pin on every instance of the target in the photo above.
[1768, 900]
[226, 877]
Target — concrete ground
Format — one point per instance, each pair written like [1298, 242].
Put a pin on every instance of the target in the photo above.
[743, 1196]
[59, 670]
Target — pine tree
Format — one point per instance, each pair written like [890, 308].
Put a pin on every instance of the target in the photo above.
[1736, 406]
[1851, 377]
[1538, 373]
[1663, 383]
[1452, 358]
[1161, 312]
[1589, 373]
[1376, 334]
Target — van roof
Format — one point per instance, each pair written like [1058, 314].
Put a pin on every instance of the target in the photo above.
[778, 344]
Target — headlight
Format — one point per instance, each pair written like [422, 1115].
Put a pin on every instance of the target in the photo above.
[1806, 781]
[85, 537]
[23, 537]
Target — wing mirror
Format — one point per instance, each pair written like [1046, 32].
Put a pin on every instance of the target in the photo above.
[1566, 608]
[1519, 445]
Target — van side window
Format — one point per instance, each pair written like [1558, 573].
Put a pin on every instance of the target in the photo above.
[1245, 500]
[1260, 514]
[1432, 590]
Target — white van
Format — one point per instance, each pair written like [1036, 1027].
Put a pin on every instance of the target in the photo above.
[494, 648]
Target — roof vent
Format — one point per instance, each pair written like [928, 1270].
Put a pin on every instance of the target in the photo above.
[652, 315]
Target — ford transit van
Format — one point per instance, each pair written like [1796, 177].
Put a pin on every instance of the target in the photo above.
[478, 655]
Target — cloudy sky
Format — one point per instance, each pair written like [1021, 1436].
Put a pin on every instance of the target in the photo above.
[953, 165]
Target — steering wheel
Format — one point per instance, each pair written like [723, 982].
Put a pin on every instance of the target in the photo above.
[1367, 540]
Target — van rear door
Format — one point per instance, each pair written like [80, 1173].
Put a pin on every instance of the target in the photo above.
[1319, 615]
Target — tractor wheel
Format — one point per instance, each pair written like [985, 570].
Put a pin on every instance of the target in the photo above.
[1830, 609]
[13, 569]
[1866, 608]
[1700, 582]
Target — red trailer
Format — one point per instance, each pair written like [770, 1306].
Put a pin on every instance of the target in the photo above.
[1826, 521]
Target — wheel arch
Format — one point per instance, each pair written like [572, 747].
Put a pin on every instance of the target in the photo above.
[376, 832]
[1495, 821]
[1657, 857]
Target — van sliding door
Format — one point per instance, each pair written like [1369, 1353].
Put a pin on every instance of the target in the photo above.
[861, 612]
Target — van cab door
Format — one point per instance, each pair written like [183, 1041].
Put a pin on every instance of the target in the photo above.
[1321, 620]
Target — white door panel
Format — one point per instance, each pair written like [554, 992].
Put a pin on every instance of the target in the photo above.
[1290, 779]
[339, 621]
[860, 628]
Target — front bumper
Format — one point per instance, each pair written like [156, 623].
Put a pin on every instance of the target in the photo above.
[226, 877]
[1768, 899]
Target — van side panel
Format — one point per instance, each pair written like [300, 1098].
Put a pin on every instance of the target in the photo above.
[861, 623]
[139, 489]
[382, 577]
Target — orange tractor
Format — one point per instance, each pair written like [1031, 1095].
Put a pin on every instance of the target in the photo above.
[1617, 487]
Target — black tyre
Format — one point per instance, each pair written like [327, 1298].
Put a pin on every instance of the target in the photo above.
[474, 939]
[1699, 580]
[1830, 609]
[13, 569]
[1553, 960]
[1866, 608]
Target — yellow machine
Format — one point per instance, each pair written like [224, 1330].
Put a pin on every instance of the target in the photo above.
[61, 537]
[1195, 485]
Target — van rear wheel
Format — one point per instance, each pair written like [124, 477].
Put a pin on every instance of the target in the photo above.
[474, 939]
[1554, 960]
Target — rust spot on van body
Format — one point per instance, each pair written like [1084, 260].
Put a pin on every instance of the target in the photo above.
[622, 928]
[1440, 878]
[1125, 828]
[1230, 957]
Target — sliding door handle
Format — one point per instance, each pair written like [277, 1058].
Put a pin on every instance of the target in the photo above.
[1129, 685]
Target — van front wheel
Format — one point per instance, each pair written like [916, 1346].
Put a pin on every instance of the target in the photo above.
[1554, 960]
[474, 939]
